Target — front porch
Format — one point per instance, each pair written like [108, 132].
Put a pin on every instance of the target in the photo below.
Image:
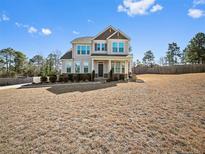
[103, 65]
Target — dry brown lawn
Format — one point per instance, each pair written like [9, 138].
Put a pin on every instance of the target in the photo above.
[158, 114]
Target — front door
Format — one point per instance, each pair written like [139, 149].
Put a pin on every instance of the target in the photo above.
[100, 69]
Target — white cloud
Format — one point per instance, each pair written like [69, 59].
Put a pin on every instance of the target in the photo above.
[75, 32]
[196, 13]
[46, 31]
[140, 7]
[32, 30]
[156, 8]
[198, 2]
[21, 25]
[4, 17]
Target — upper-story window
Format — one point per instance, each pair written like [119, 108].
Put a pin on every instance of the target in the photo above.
[104, 46]
[83, 49]
[121, 47]
[97, 46]
[88, 50]
[114, 47]
[78, 49]
[118, 47]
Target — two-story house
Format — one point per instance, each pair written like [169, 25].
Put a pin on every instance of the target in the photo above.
[110, 49]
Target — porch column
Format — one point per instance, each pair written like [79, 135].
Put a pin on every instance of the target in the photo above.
[92, 65]
[109, 66]
[130, 66]
[126, 69]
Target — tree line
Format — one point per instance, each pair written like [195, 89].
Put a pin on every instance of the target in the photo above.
[14, 63]
[194, 53]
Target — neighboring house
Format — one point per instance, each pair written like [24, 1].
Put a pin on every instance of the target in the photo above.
[108, 50]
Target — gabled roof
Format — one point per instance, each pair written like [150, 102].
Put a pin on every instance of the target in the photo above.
[105, 33]
[87, 39]
[110, 32]
[67, 55]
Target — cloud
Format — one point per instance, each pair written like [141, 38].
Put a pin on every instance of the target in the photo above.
[75, 32]
[90, 21]
[140, 7]
[198, 2]
[156, 8]
[21, 25]
[46, 31]
[4, 17]
[196, 13]
[32, 30]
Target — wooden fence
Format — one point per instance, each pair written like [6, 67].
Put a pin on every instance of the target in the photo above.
[176, 69]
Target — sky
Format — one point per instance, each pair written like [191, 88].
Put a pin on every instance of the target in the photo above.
[42, 26]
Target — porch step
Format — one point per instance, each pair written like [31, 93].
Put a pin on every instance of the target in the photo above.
[101, 79]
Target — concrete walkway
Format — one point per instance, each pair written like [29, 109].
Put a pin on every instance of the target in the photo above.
[14, 86]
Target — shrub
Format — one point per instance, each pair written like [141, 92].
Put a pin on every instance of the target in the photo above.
[44, 79]
[111, 75]
[70, 77]
[93, 76]
[53, 78]
[116, 77]
[122, 77]
[61, 78]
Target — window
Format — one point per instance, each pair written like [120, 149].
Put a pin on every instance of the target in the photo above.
[78, 49]
[104, 47]
[121, 47]
[117, 67]
[83, 51]
[68, 68]
[77, 67]
[85, 67]
[98, 46]
[123, 67]
[88, 50]
[114, 47]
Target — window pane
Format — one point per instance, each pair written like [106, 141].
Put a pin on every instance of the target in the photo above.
[95, 46]
[123, 67]
[83, 50]
[88, 50]
[114, 47]
[85, 67]
[68, 68]
[117, 68]
[103, 46]
[78, 49]
[121, 47]
[98, 47]
[77, 67]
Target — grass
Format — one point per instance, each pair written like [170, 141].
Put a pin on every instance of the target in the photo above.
[159, 114]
